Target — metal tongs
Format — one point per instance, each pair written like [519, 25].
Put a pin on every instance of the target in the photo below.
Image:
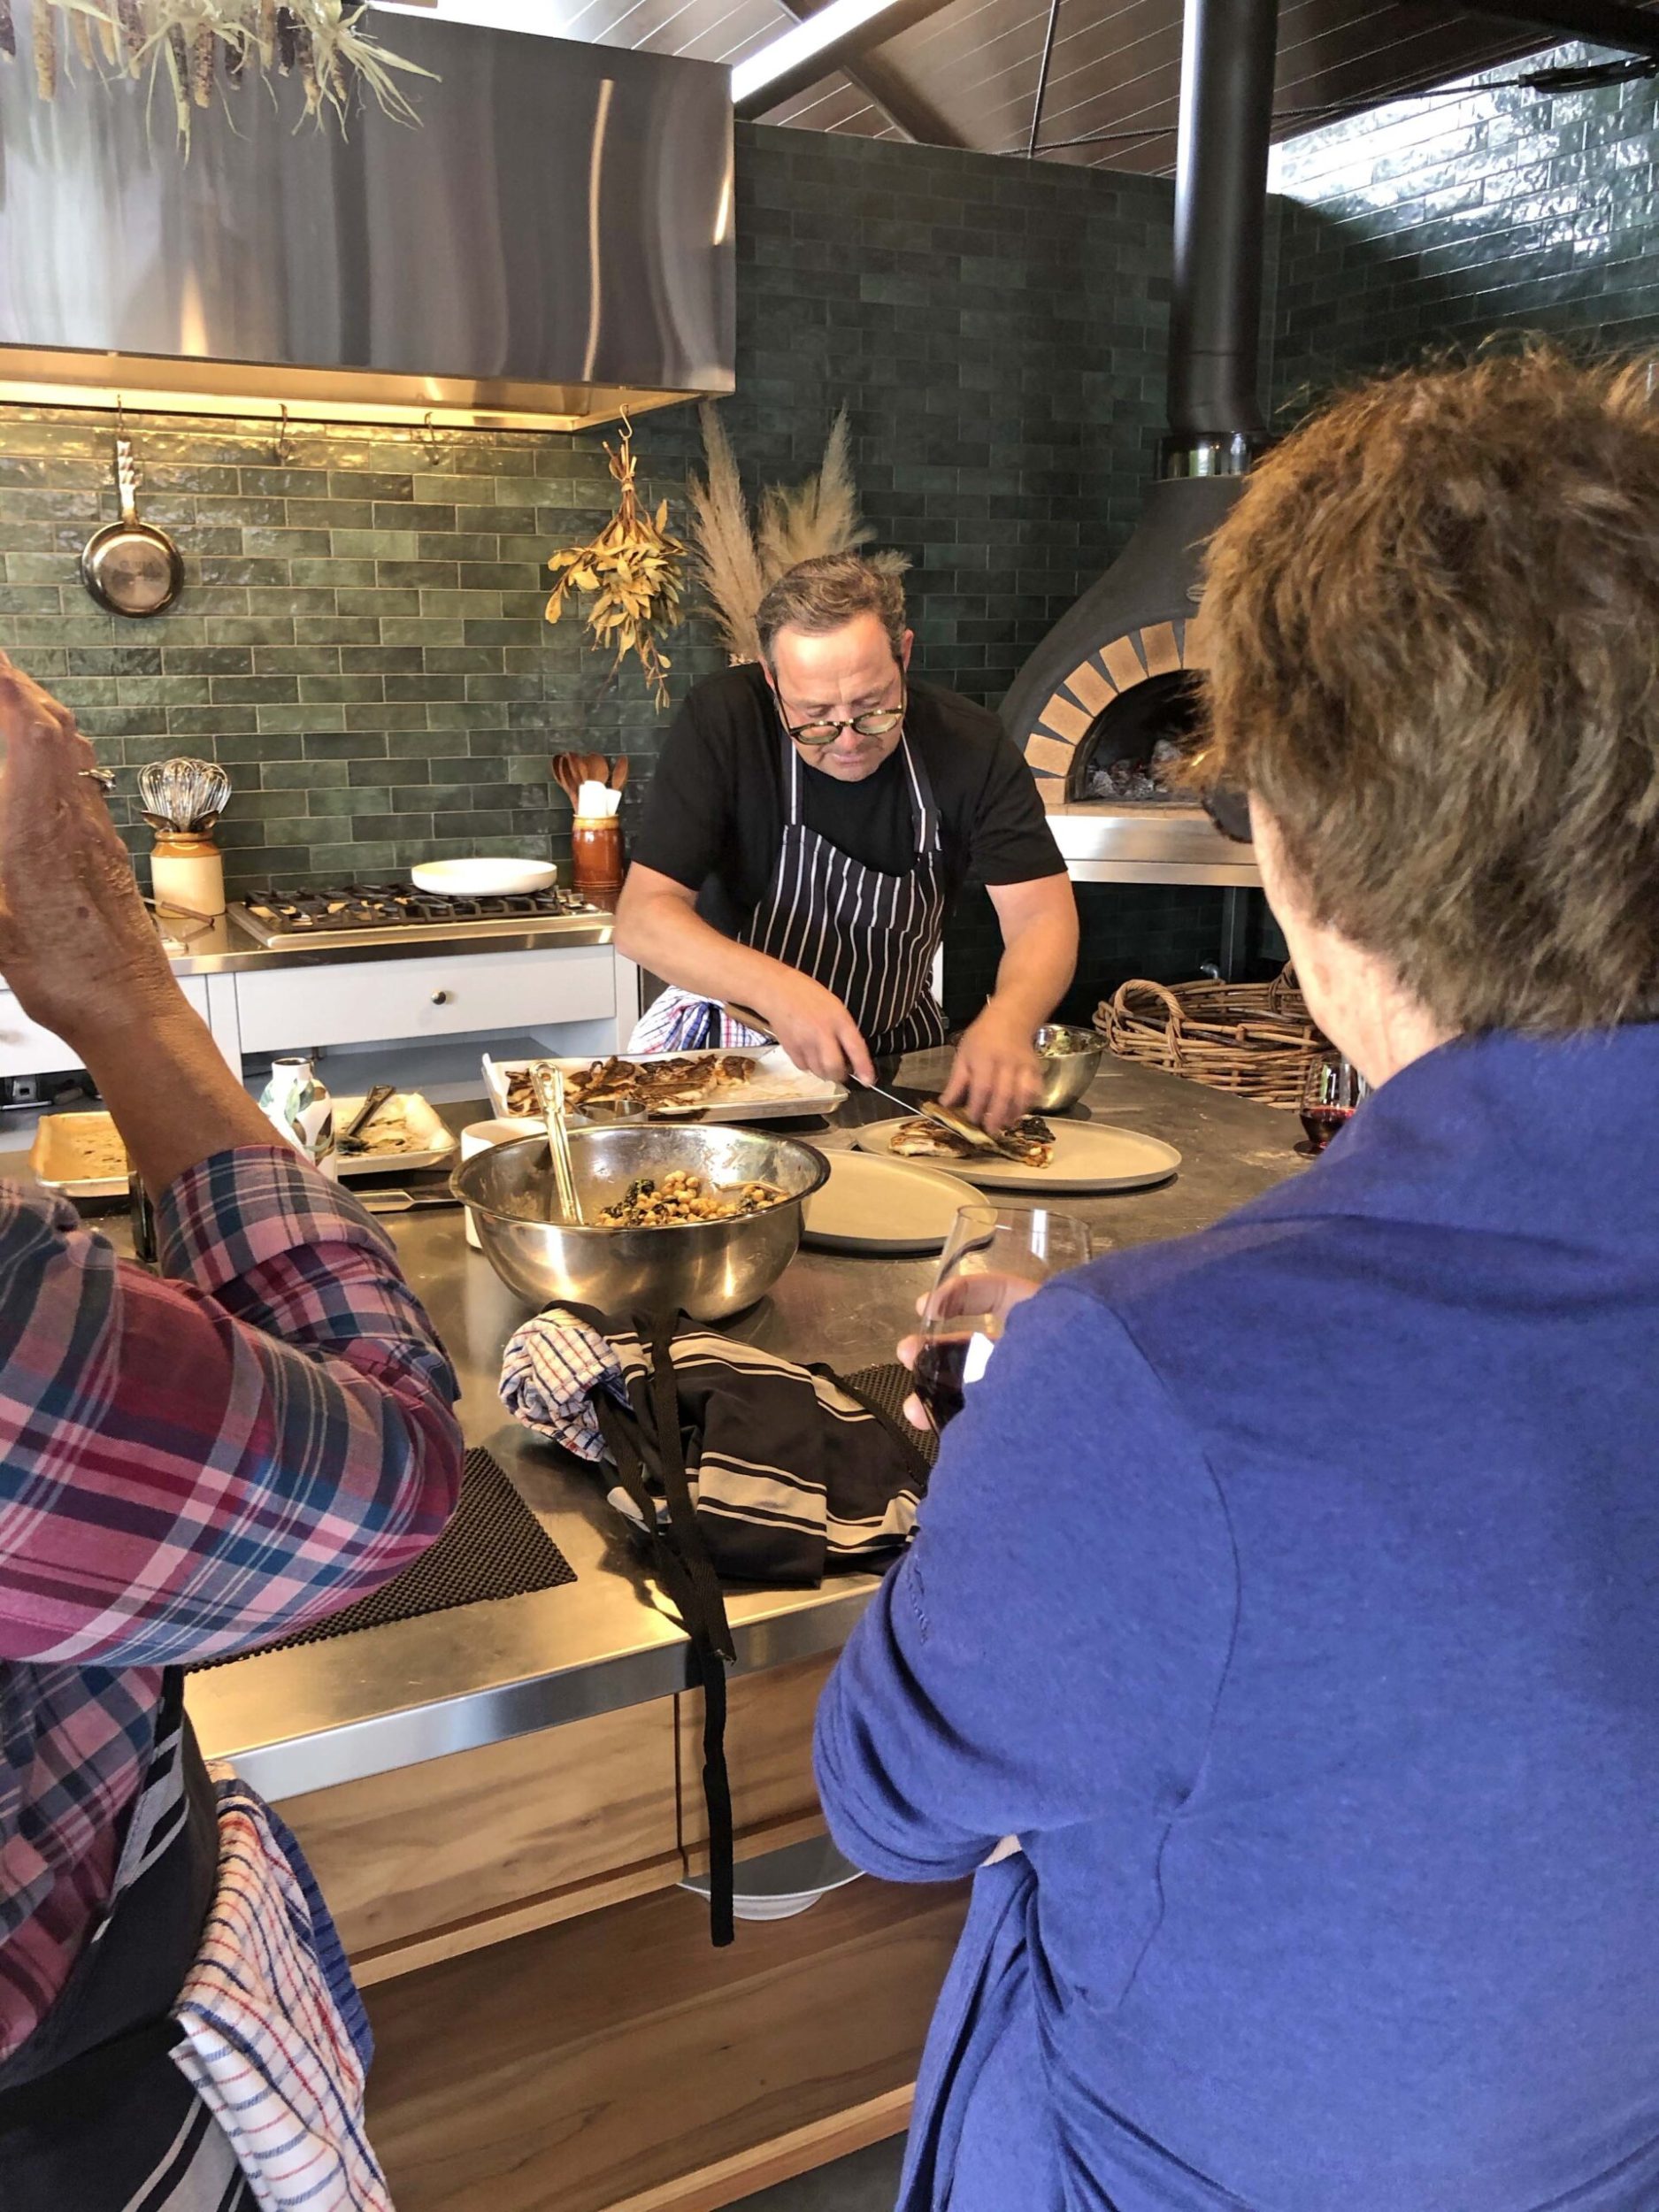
[976, 1138]
[549, 1091]
[351, 1138]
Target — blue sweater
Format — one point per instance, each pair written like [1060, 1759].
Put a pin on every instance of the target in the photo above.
[1293, 1592]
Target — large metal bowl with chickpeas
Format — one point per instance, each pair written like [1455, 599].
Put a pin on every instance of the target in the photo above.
[700, 1220]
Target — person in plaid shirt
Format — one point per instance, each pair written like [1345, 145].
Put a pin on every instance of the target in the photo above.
[187, 1466]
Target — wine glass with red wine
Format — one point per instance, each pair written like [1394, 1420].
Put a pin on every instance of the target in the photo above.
[1330, 1090]
[994, 1256]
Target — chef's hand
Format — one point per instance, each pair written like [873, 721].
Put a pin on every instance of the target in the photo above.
[960, 1294]
[76, 945]
[997, 1076]
[815, 1029]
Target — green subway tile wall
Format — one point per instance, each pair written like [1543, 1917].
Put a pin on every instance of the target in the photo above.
[1436, 222]
[360, 641]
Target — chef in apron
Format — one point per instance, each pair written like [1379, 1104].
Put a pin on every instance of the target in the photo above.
[810, 820]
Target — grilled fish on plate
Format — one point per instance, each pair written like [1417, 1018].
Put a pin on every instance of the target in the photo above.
[1030, 1141]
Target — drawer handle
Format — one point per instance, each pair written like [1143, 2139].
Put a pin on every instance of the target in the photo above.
[442, 998]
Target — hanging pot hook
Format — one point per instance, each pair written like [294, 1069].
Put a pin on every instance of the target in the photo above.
[429, 440]
[282, 448]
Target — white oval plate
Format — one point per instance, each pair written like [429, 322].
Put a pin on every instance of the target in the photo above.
[1088, 1156]
[484, 878]
[871, 1205]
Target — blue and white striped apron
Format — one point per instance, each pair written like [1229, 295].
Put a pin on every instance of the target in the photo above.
[866, 935]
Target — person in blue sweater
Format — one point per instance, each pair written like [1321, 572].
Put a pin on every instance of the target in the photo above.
[1291, 1592]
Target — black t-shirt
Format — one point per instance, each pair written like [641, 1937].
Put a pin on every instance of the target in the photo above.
[714, 813]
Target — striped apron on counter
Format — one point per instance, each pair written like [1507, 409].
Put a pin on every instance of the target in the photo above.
[868, 936]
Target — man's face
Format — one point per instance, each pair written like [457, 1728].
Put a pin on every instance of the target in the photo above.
[831, 678]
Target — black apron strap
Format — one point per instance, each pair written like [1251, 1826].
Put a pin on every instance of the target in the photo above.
[648, 1435]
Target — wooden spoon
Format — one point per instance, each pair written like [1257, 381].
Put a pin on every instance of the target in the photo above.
[619, 773]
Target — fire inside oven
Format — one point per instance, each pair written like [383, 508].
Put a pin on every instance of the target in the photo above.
[1133, 751]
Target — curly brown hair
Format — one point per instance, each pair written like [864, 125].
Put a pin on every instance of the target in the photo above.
[1431, 625]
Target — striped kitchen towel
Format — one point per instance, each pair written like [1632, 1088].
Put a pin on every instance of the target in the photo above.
[275, 2043]
[681, 1021]
[790, 1473]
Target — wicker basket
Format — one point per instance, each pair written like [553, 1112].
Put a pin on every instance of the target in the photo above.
[1256, 1040]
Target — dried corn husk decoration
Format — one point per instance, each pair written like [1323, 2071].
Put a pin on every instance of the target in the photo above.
[186, 41]
[633, 570]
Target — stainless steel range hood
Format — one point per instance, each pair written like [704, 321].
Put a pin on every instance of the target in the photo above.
[552, 243]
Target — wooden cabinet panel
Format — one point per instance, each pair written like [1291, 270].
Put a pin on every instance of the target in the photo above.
[449, 995]
[620, 2063]
[768, 1755]
[460, 1852]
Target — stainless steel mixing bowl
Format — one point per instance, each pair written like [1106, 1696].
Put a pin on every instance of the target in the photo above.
[1066, 1079]
[708, 1268]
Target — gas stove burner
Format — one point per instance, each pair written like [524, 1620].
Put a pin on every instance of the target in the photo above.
[351, 909]
[392, 905]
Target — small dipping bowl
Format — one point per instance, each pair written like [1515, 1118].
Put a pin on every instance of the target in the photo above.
[1068, 1066]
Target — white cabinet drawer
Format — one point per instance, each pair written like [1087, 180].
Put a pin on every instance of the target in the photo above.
[25, 1048]
[360, 1002]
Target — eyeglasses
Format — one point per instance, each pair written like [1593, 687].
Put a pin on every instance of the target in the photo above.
[879, 722]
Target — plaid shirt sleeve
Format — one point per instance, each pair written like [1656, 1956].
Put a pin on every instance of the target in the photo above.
[191, 1465]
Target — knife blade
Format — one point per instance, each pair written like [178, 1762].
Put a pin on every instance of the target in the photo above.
[930, 1110]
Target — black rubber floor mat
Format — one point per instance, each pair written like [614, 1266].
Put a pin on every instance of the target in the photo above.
[494, 1547]
[889, 1387]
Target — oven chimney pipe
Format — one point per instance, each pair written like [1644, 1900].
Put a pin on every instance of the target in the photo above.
[1227, 57]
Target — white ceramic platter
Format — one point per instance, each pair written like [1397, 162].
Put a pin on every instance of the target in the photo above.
[871, 1205]
[428, 1140]
[1088, 1156]
[776, 1090]
[486, 876]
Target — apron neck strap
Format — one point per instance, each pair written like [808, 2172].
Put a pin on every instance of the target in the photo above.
[924, 815]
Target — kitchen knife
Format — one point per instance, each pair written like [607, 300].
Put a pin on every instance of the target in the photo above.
[930, 1110]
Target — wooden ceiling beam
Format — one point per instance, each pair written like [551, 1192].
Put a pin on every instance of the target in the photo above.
[904, 105]
[851, 57]
[1601, 22]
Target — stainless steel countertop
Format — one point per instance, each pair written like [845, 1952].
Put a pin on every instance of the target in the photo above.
[328, 1713]
[223, 948]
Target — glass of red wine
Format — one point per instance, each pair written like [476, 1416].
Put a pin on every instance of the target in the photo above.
[994, 1256]
[1331, 1091]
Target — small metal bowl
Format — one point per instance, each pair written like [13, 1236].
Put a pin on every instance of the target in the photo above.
[707, 1269]
[1067, 1074]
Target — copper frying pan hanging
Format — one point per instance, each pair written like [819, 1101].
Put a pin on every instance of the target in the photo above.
[129, 566]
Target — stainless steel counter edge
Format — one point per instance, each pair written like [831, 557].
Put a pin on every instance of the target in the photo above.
[230, 952]
[323, 1714]
[381, 1742]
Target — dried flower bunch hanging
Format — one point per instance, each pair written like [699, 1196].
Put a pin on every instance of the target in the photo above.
[206, 47]
[633, 570]
[737, 559]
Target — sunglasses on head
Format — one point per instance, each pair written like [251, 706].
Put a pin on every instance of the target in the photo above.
[1228, 807]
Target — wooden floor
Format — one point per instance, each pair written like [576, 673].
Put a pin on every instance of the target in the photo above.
[618, 2062]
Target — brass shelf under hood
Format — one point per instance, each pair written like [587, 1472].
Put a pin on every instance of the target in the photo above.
[42, 377]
